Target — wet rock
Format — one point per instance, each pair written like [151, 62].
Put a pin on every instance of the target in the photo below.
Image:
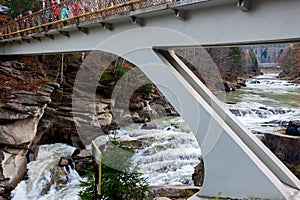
[83, 159]
[224, 86]
[172, 191]
[149, 126]
[255, 82]
[241, 84]
[65, 162]
[137, 118]
[105, 119]
[134, 144]
[58, 179]
[136, 105]
[198, 175]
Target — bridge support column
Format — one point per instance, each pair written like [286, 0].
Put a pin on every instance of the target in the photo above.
[232, 169]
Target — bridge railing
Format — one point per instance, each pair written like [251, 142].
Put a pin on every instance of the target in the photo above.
[78, 12]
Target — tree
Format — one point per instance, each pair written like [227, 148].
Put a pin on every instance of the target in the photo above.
[17, 7]
[126, 184]
[236, 65]
[290, 61]
[254, 62]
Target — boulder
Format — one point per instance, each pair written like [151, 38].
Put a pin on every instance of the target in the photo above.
[224, 86]
[83, 159]
[58, 179]
[172, 191]
[198, 175]
[149, 126]
[65, 162]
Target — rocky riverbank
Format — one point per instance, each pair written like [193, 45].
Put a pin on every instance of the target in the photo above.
[36, 109]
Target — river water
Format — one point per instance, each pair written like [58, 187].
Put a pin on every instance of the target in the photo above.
[170, 151]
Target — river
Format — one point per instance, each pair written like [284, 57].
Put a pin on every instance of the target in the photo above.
[170, 150]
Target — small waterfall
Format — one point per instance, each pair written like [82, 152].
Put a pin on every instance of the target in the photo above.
[47, 181]
[169, 153]
[260, 118]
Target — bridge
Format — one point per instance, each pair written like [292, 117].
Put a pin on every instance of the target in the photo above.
[269, 65]
[237, 164]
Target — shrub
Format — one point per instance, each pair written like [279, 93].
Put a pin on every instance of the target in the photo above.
[127, 184]
[113, 74]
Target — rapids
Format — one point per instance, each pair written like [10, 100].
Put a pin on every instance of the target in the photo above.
[170, 151]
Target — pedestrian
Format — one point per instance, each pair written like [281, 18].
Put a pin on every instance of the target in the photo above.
[64, 13]
[77, 8]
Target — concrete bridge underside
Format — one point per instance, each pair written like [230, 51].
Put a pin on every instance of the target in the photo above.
[236, 163]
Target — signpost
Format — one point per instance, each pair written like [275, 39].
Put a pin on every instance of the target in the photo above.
[98, 162]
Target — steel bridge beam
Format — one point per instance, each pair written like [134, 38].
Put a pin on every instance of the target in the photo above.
[236, 163]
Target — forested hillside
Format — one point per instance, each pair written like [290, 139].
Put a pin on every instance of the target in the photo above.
[290, 61]
[234, 62]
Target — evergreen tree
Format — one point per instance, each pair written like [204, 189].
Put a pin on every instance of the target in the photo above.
[126, 184]
[254, 62]
[287, 61]
[236, 66]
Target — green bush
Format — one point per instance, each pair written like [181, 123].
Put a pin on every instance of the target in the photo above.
[127, 184]
[147, 89]
[87, 186]
[113, 74]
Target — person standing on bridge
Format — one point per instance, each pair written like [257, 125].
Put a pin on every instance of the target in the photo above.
[64, 13]
[77, 8]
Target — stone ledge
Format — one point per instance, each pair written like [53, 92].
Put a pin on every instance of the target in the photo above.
[173, 191]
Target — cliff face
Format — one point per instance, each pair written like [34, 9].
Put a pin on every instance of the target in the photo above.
[21, 109]
[34, 110]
